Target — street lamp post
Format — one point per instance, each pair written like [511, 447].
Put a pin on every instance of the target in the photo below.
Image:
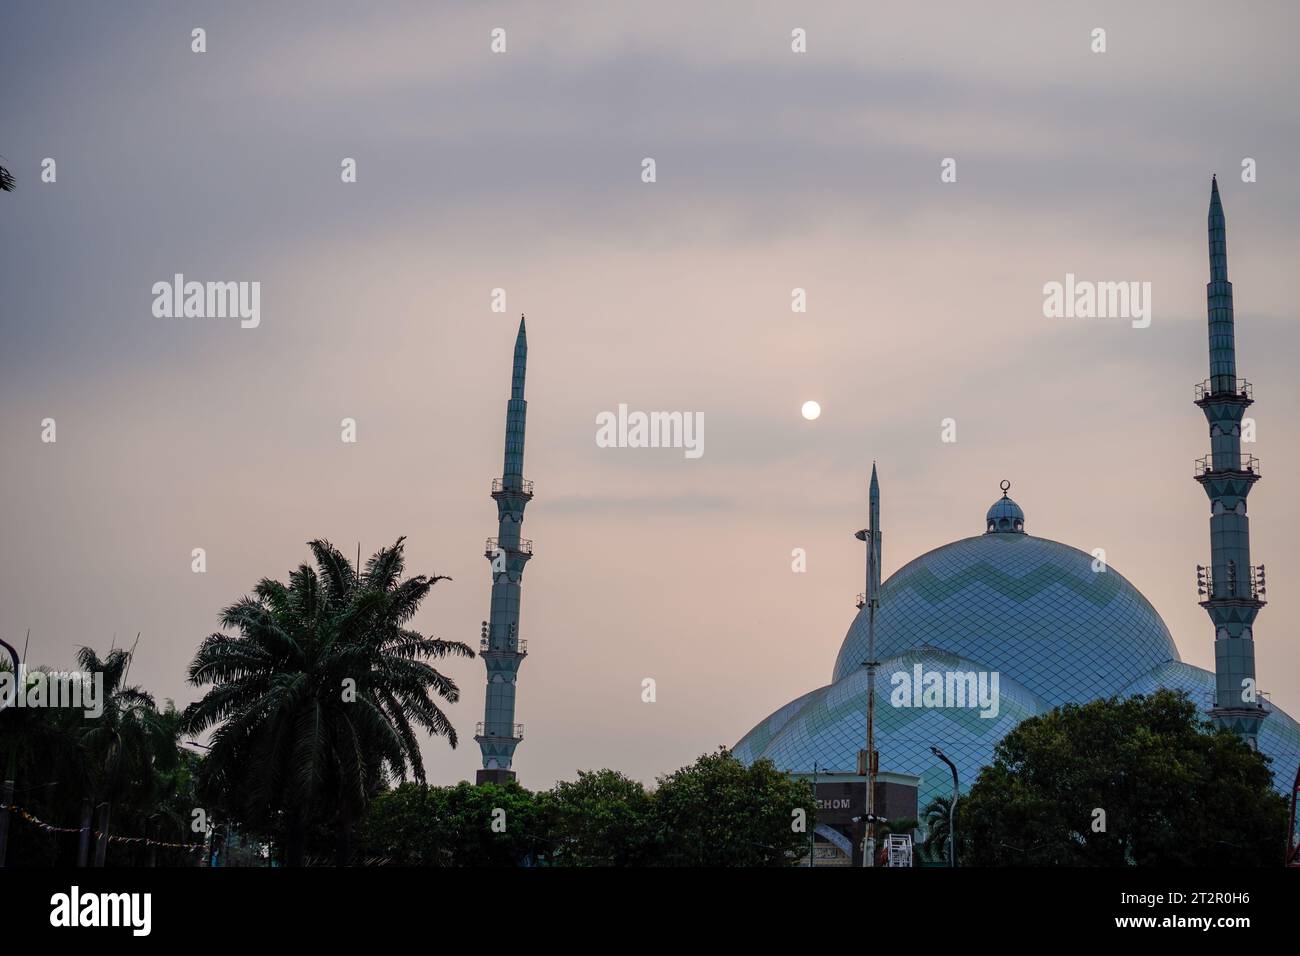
[812, 830]
[871, 597]
[11, 762]
[13, 656]
[952, 808]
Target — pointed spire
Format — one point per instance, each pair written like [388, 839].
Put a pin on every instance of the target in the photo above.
[1218, 230]
[521, 362]
[516, 412]
[873, 544]
[1223, 358]
[873, 500]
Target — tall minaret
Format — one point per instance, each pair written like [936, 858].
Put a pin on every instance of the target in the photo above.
[871, 600]
[1232, 588]
[500, 647]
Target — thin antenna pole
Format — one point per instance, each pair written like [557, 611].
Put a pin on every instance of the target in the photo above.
[870, 854]
[130, 657]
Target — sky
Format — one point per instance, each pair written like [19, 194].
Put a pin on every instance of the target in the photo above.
[522, 171]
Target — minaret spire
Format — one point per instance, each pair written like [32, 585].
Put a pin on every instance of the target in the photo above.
[1218, 228]
[500, 647]
[873, 495]
[1231, 587]
[870, 535]
[516, 409]
[1223, 353]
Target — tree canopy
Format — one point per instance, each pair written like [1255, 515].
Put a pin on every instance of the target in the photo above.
[715, 812]
[1140, 781]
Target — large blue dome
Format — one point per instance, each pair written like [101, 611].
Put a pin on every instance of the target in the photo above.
[1031, 608]
[1055, 623]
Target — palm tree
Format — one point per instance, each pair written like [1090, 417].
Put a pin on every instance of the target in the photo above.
[40, 743]
[936, 818]
[123, 745]
[163, 804]
[7, 183]
[316, 701]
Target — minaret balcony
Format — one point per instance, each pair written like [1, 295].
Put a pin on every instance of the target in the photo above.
[516, 733]
[1210, 700]
[861, 601]
[1244, 393]
[485, 647]
[1246, 466]
[525, 546]
[1234, 586]
[499, 489]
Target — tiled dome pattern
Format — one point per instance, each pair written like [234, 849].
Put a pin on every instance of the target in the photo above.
[829, 726]
[1031, 608]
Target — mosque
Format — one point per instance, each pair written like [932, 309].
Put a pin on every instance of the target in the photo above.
[1046, 618]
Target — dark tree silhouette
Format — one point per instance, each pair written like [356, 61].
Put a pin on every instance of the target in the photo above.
[1140, 781]
[315, 699]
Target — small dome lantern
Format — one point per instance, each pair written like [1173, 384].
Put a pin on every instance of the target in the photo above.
[1005, 517]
